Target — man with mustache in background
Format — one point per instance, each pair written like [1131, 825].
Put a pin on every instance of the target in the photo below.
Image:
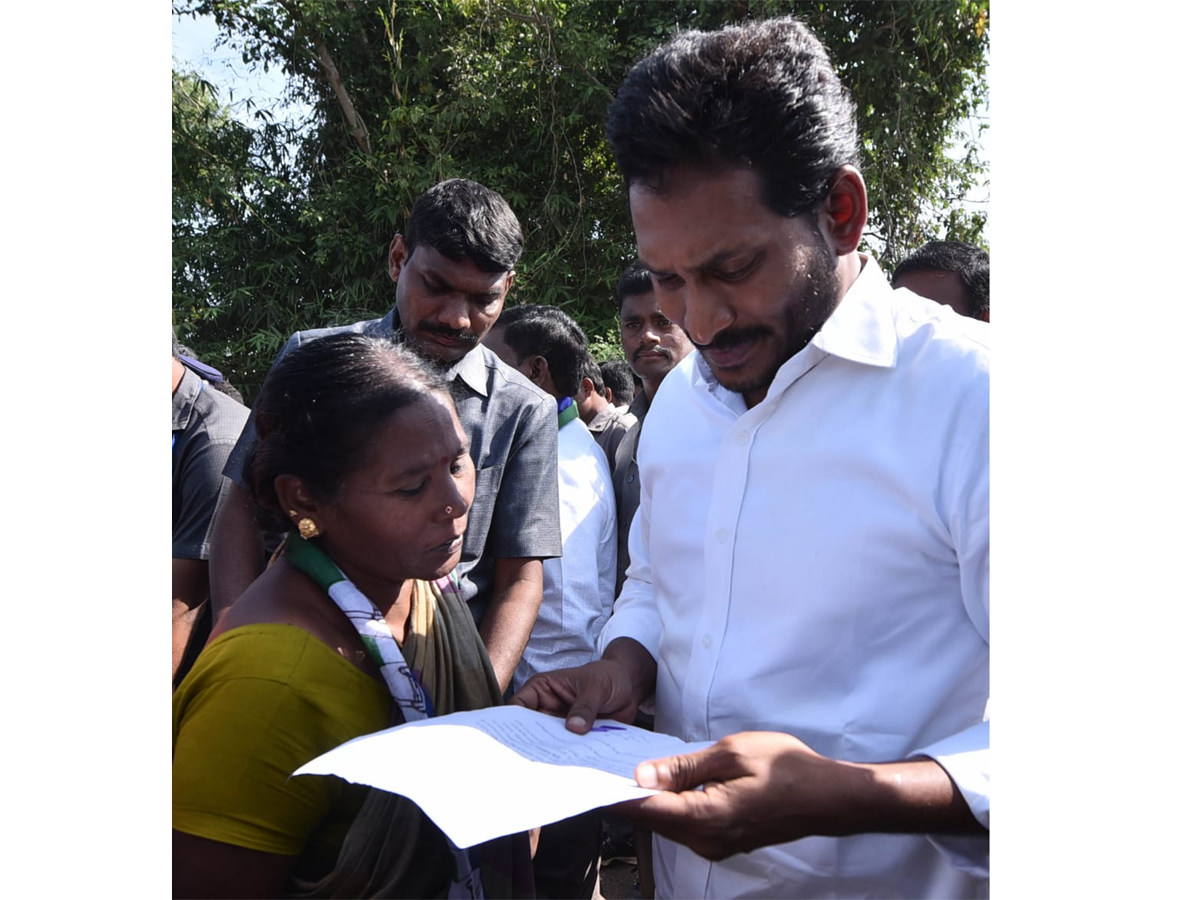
[653, 346]
[453, 267]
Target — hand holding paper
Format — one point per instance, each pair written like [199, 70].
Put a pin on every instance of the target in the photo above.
[491, 772]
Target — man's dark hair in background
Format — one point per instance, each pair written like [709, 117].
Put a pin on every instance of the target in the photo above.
[618, 378]
[591, 370]
[549, 332]
[634, 280]
[950, 272]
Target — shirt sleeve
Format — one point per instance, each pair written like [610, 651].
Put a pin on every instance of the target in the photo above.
[635, 614]
[966, 755]
[525, 521]
[200, 485]
[238, 743]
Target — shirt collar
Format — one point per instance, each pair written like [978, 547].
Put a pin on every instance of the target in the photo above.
[861, 329]
[183, 401]
[567, 410]
[640, 405]
[602, 418]
[471, 369]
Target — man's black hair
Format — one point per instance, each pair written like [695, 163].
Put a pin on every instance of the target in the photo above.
[969, 262]
[591, 369]
[634, 280]
[462, 219]
[548, 332]
[762, 96]
[619, 377]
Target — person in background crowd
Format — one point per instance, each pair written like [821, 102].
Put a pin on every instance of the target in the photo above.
[358, 625]
[453, 268]
[205, 425]
[187, 356]
[952, 273]
[653, 346]
[550, 349]
[808, 584]
[618, 383]
[597, 412]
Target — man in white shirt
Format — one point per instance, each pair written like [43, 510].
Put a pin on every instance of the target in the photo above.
[549, 348]
[808, 583]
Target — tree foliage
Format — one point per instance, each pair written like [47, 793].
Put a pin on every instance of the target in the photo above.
[278, 228]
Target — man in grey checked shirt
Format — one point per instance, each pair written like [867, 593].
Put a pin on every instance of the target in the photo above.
[453, 268]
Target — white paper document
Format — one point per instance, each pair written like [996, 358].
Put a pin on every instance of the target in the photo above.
[491, 772]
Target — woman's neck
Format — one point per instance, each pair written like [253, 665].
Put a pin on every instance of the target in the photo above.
[397, 612]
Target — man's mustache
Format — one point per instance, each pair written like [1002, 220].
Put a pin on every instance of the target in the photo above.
[465, 337]
[733, 337]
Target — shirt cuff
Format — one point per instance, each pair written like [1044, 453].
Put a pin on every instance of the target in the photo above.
[965, 757]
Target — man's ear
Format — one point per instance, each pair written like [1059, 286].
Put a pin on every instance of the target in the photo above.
[538, 371]
[397, 254]
[843, 214]
[608, 394]
[587, 387]
[294, 496]
[508, 283]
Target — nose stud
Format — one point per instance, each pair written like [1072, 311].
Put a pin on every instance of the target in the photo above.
[449, 510]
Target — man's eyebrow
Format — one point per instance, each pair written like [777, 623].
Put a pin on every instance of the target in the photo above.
[712, 262]
[433, 278]
[437, 281]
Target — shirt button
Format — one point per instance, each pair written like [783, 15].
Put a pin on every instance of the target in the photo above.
[629, 478]
[706, 641]
[722, 536]
[743, 439]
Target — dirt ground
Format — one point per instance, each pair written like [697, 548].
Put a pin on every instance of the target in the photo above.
[618, 881]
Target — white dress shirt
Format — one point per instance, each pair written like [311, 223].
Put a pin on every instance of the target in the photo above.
[818, 565]
[578, 588]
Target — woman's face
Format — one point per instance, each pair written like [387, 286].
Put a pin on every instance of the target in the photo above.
[403, 512]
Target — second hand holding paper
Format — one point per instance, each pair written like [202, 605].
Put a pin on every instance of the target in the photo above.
[490, 772]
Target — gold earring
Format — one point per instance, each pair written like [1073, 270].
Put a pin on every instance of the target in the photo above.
[308, 528]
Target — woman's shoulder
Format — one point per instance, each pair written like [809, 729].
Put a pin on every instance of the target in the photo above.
[274, 651]
[282, 671]
[283, 596]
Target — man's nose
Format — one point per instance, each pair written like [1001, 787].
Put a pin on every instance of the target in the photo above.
[455, 312]
[705, 313]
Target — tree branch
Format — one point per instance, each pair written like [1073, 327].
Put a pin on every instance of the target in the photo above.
[358, 128]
